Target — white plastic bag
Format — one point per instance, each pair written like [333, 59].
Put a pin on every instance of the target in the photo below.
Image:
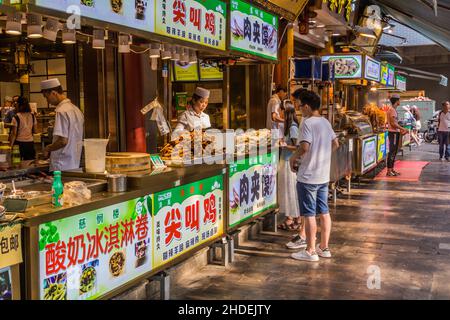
[76, 193]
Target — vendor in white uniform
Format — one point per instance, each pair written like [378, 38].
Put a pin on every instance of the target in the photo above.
[194, 117]
[65, 150]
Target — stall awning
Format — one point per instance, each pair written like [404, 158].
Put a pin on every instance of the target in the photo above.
[420, 15]
[288, 9]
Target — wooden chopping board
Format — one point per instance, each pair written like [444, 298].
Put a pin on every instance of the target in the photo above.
[128, 163]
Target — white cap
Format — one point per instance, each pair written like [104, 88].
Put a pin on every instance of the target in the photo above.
[396, 96]
[50, 84]
[202, 92]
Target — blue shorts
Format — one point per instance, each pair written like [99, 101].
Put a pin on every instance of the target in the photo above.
[313, 199]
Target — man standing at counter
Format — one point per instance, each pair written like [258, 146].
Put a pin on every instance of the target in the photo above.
[443, 131]
[65, 151]
[394, 134]
[274, 119]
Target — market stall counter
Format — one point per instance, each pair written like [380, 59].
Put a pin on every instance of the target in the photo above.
[108, 244]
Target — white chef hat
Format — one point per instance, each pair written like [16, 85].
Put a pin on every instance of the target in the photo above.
[202, 92]
[50, 84]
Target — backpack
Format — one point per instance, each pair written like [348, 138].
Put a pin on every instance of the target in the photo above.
[18, 122]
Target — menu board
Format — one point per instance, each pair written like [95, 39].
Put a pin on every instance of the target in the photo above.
[253, 187]
[346, 66]
[369, 153]
[185, 72]
[210, 71]
[86, 256]
[134, 14]
[384, 74]
[253, 30]
[391, 76]
[6, 290]
[372, 69]
[200, 22]
[400, 83]
[187, 216]
[381, 148]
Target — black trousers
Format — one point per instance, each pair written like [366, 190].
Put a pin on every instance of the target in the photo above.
[394, 144]
[27, 151]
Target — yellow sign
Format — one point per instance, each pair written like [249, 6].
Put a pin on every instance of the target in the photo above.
[210, 71]
[185, 72]
[10, 245]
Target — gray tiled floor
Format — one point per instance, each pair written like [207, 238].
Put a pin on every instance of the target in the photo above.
[402, 228]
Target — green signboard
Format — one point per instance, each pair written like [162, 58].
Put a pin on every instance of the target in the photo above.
[253, 30]
[88, 255]
[187, 216]
[196, 21]
[346, 66]
[252, 187]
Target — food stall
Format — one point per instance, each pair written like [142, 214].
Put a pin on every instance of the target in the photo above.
[101, 243]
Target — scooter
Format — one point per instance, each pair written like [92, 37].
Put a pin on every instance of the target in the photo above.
[431, 133]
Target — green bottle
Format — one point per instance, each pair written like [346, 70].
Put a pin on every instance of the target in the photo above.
[15, 156]
[57, 189]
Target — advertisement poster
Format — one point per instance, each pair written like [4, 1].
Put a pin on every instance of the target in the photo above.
[391, 76]
[85, 256]
[134, 14]
[253, 186]
[186, 217]
[253, 30]
[384, 74]
[372, 70]
[10, 245]
[400, 83]
[200, 22]
[346, 67]
[185, 72]
[5, 284]
[369, 153]
[382, 150]
[210, 71]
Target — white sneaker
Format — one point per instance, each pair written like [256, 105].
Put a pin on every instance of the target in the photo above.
[296, 243]
[325, 253]
[305, 256]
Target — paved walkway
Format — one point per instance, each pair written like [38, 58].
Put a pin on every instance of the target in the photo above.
[400, 229]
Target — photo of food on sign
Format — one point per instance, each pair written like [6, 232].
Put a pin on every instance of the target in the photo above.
[88, 280]
[117, 6]
[117, 264]
[141, 253]
[88, 3]
[346, 66]
[55, 288]
[5, 284]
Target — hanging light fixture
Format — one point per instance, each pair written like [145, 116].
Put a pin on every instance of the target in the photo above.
[34, 26]
[175, 53]
[68, 35]
[51, 29]
[124, 43]
[166, 52]
[14, 24]
[366, 32]
[155, 50]
[192, 56]
[98, 41]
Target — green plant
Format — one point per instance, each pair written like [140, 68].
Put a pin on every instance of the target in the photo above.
[49, 234]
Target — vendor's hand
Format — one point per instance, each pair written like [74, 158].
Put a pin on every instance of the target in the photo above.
[293, 164]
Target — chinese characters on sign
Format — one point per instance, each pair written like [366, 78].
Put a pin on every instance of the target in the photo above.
[253, 30]
[252, 187]
[10, 245]
[345, 7]
[87, 255]
[187, 216]
[201, 22]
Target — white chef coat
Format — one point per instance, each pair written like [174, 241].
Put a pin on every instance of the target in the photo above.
[69, 124]
[190, 120]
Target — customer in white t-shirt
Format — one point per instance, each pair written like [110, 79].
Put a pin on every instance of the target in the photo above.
[317, 141]
[443, 131]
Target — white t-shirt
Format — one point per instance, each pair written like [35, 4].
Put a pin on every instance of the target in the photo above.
[69, 124]
[444, 121]
[316, 163]
[274, 106]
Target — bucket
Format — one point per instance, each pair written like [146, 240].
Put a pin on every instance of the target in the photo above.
[95, 155]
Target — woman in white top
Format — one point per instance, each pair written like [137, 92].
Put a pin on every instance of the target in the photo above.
[24, 124]
[194, 117]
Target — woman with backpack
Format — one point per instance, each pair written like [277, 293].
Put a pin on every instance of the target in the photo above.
[24, 124]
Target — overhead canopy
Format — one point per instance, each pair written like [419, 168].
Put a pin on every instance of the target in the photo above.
[288, 9]
[420, 16]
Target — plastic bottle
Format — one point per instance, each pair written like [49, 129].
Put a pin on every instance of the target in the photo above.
[57, 189]
[15, 156]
